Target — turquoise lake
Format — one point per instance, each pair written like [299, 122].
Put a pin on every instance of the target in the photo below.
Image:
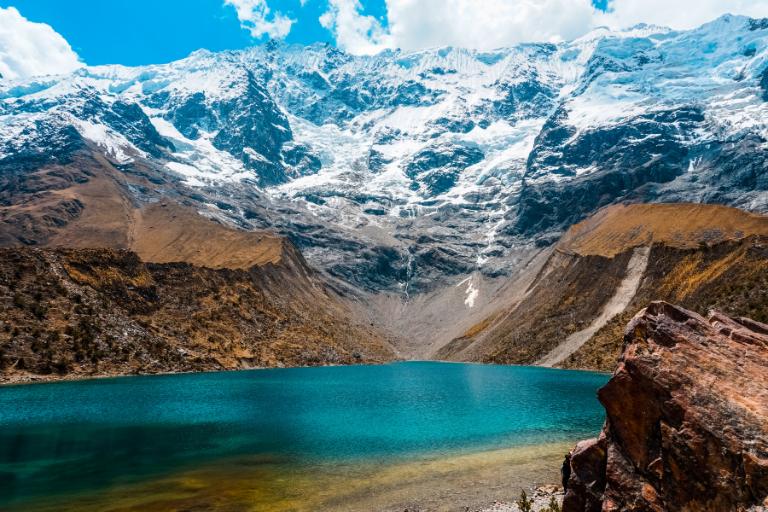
[75, 439]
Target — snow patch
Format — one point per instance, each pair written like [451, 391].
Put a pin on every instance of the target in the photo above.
[471, 292]
[113, 143]
[198, 160]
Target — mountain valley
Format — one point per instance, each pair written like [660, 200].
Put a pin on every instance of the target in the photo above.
[406, 280]
[423, 193]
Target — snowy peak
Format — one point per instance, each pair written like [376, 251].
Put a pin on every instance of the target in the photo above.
[422, 164]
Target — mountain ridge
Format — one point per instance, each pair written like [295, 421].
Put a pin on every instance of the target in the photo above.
[617, 228]
[424, 188]
[405, 172]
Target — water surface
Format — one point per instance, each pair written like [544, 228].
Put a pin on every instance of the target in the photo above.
[277, 435]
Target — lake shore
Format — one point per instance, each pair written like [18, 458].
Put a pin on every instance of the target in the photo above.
[487, 480]
[24, 378]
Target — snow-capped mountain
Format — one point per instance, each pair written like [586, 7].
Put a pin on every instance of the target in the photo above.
[398, 170]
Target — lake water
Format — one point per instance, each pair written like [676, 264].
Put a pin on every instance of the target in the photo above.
[285, 437]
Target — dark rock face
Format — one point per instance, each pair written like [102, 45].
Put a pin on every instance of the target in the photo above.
[254, 123]
[410, 93]
[376, 160]
[124, 117]
[88, 312]
[587, 476]
[622, 157]
[31, 150]
[189, 116]
[131, 121]
[524, 99]
[437, 168]
[250, 127]
[758, 24]
[687, 419]
[343, 94]
[301, 160]
[455, 124]
[381, 265]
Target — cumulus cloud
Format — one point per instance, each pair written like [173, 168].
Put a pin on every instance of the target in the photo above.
[353, 30]
[488, 24]
[30, 49]
[678, 14]
[415, 24]
[485, 25]
[258, 19]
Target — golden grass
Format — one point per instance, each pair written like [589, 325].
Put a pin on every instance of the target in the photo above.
[108, 276]
[167, 232]
[160, 232]
[616, 228]
[692, 273]
[480, 326]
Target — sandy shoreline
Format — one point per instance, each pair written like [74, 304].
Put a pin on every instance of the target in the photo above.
[488, 480]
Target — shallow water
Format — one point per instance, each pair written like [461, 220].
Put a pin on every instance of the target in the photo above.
[289, 439]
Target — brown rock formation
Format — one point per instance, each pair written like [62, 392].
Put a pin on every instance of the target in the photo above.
[687, 419]
[68, 313]
[89, 203]
[133, 272]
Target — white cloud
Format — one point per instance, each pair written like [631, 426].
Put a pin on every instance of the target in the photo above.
[678, 14]
[256, 16]
[488, 24]
[416, 24]
[30, 49]
[354, 31]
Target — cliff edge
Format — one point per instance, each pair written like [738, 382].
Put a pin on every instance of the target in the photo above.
[686, 419]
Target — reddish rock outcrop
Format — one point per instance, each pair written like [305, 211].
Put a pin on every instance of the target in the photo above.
[686, 419]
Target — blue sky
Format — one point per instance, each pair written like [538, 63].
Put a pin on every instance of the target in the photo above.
[134, 32]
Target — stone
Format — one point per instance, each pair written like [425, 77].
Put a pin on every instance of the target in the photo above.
[587, 477]
[686, 419]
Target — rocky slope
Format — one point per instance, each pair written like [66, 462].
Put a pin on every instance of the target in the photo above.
[610, 266]
[404, 172]
[135, 278]
[84, 206]
[88, 312]
[687, 419]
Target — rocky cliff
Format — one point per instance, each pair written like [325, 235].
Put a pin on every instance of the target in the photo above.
[107, 271]
[687, 419]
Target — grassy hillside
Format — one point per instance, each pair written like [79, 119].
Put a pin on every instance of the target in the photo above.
[82, 312]
[129, 277]
[701, 257]
[731, 277]
[620, 227]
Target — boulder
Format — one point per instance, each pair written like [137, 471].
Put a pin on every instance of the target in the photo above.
[686, 419]
[587, 476]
